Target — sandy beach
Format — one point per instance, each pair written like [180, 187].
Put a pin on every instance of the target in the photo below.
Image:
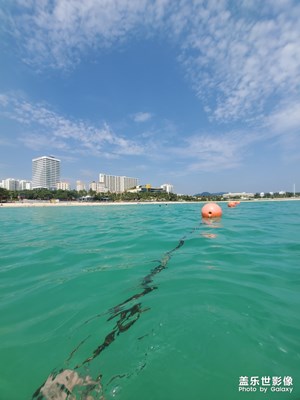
[84, 204]
[29, 204]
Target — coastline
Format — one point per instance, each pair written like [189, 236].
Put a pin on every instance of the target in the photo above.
[88, 204]
[125, 203]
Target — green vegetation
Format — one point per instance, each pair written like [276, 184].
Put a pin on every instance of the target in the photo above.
[141, 196]
[4, 195]
[45, 194]
[73, 195]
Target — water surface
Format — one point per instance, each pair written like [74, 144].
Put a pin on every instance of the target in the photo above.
[182, 309]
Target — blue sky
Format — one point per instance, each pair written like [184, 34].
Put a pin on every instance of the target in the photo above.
[200, 94]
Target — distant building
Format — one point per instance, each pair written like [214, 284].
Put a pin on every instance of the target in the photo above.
[146, 188]
[45, 172]
[136, 189]
[167, 187]
[80, 186]
[10, 184]
[117, 184]
[25, 185]
[242, 195]
[15, 184]
[63, 186]
[98, 187]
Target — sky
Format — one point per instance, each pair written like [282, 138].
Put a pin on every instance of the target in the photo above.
[202, 94]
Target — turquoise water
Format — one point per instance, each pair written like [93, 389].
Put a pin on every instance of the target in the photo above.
[150, 300]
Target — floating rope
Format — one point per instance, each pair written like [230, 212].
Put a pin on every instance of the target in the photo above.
[126, 315]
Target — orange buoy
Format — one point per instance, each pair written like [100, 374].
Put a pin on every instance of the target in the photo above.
[232, 204]
[211, 210]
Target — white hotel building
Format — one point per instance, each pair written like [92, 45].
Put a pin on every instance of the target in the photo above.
[80, 186]
[117, 184]
[63, 186]
[15, 184]
[10, 184]
[167, 187]
[45, 172]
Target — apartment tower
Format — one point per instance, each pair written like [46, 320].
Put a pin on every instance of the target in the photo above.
[167, 187]
[45, 172]
[117, 184]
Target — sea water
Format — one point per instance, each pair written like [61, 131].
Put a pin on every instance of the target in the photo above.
[151, 302]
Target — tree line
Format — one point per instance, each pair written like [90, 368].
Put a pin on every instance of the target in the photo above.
[83, 195]
[73, 195]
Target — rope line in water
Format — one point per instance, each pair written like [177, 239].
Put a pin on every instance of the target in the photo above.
[127, 318]
[133, 311]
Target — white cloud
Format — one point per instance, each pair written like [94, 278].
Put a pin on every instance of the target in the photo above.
[229, 150]
[240, 61]
[48, 129]
[285, 119]
[38, 142]
[213, 152]
[49, 28]
[283, 125]
[237, 55]
[142, 117]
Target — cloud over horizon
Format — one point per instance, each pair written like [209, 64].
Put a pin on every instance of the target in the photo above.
[236, 57]
[58, 132]
[204, 151]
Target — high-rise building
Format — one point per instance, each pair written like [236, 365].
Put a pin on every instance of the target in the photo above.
[45, 172]
[15, 184]
[25, 185]
[167, 187]
[10, 184]
[117, 184]
[98, 187]
[128, 183]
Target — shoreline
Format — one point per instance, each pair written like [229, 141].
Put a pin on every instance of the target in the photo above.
[125, 203]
